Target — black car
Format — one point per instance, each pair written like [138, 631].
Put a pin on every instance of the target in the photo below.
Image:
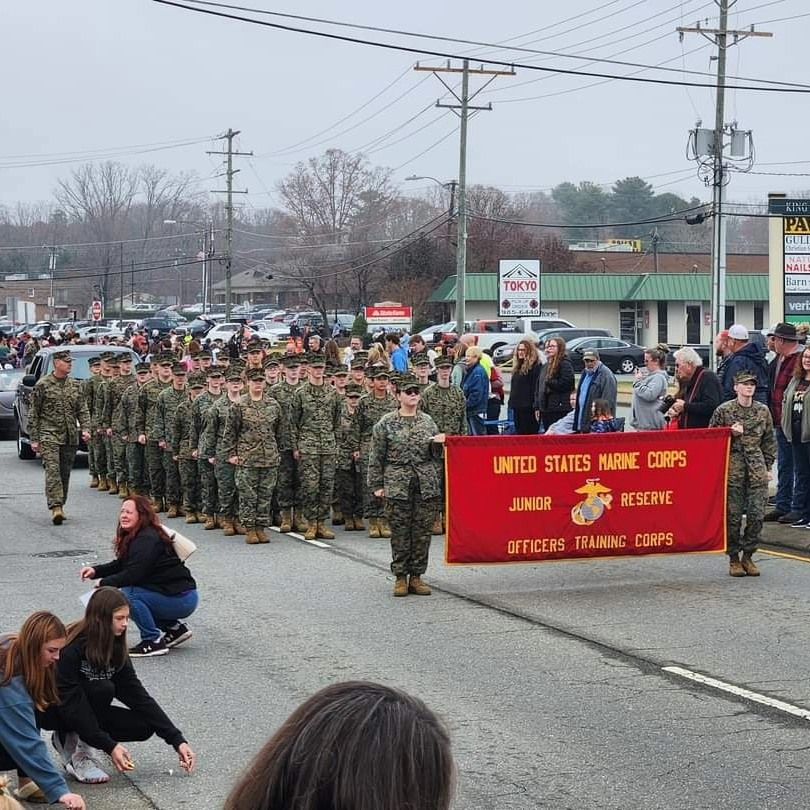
[41, 365]
[618, 355]
[703, 351]
[163, 326]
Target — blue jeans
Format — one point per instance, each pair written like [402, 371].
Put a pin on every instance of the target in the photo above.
[154, 612]
[801, 488]
[785, 490]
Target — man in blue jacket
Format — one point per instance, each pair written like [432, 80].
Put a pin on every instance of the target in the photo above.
[745, 356]
[597, 382]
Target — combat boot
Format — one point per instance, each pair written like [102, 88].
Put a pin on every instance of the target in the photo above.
[112, 486]
[191, 517]
[747, 564]
[415, 585]
[276, 519]
[239, 528]
[301, 524]
[210, 522]
[437, 528]
[337, 517]
[312, 531]
[323, 533]
[385, 528]
[735, 568]
[401, 586]
[374, 528]
[252, 537]
[103, 485]
[348, 526]
[286, 521]
[173, 511]
[263, 538]
[359, 526]
[93, 481]
[228, 529]
[157, 504]
[57, 515]
[123, 492]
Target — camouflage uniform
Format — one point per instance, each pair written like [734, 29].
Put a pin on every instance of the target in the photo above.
[56, 408]
[254, 431]
[183, 448]
[315, 419]
[212, 447]
[106, 424]
[147, 404]
[752, 456]
[125, 426]
[402, 463]
[163, 431]
[208, 480]
[97, 436]
[112, 407]
[287, 492]
[370, 410]
[348, 480]
[88, 391]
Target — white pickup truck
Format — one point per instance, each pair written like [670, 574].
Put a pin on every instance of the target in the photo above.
[495, 333]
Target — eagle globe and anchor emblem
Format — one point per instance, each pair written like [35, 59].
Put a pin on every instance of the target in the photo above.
[597, 498]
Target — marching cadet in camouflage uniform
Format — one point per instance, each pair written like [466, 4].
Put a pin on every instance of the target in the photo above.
[147, 404]
[338, 379]
[421, 370]
[125, 419]
[255, 355]
[205, 470]
[287, 492]
[371, 408]
[57, 407]
[88, 390]
[112, 406]
[753, 452]
[402, 469]
[315, 419]
[272, 368]
[97, 419]
[163, 431]
[212, 449]
[445, 402]
[114, 362]
[255, 429]
[183, 449]
[357, 373]
[348, 480]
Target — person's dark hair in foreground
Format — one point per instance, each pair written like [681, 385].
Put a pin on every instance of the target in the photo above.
[352, 746]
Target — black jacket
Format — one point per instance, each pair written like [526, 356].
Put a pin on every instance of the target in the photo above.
[523, 387]
[554, 395]
[75, 674]
[749, 358]
[701, 395]
[150, 563]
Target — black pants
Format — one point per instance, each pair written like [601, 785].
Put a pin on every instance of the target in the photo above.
[122, 724]
[8, 764]
[525, 421]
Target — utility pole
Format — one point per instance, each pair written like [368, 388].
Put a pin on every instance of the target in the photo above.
[52, 269]
[229, 190]
[462, 109]
[710, 143]
[121, 299]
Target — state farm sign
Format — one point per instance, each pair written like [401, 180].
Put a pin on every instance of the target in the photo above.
[389, 316]
[519, 288]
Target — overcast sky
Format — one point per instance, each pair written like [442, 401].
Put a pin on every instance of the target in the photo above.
[101, 77]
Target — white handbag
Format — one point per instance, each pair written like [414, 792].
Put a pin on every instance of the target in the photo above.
[183, 547]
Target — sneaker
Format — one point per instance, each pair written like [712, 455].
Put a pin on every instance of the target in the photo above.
[148, 648]
[67, 749]
[791, 517]
[176, 635]
[774, 515]
[801, 523]
[83, 768]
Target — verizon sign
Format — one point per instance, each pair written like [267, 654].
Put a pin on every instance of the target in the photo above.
[518, 288]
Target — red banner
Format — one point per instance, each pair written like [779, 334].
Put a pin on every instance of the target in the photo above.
[536, 498]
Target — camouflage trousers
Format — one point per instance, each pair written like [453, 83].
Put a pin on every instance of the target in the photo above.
[109, 455]
[99, 454]
[287, 494]
[154, 466]
[209, 502]
[91, 459]
[349, 490]
[750, 499]
[119, 447]
[410, 521]
[136, 475]
[172, 473]
[189, 484]
[373, 507]
[317, 474]
[57, 459]
[226, 488]
[255, 485]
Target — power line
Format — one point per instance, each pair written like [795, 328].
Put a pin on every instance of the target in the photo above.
[102, 244]
[788, 86]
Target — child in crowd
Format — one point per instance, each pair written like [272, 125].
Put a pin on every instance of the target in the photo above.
[602, 418]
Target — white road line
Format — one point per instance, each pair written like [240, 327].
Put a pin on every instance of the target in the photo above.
[780, 705]
[301, 537]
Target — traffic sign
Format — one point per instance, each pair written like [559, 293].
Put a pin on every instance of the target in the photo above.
[97, 310]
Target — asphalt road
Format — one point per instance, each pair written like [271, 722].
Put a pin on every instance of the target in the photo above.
[550, 676]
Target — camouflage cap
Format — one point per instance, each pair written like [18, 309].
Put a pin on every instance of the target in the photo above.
[271, 362]
[291, 361]
[745, 377]
[233, 373]
[143, 368]
[166, 360]
[62, 355]
[444, 361]
[114, 360]
[340, 371]
[316, 360]
[124, 357]
[107, 356]
[215, 371]
[378, 370]
[358, 364]
[255, 345]
[404, 381]
[354, 390]
[196, 380]
[205, 355]
[420, 359]
[179, 370]
[255, 374]
[95, 360]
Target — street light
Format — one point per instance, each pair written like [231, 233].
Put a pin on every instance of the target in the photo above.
[207, 252]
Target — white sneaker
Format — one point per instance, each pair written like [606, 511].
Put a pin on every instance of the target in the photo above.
[67, 750]
[83, 768]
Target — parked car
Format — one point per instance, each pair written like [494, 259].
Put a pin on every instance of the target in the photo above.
[618, 355]
[199, 327]
[703, 351]
[163, 326]
[505, 353]
[40, 365]
[9, 380]
[87, 332]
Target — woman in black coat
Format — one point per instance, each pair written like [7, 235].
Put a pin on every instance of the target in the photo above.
[525, 374]
[555, 384]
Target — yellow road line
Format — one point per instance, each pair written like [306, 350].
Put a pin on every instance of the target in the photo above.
[786, 556]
